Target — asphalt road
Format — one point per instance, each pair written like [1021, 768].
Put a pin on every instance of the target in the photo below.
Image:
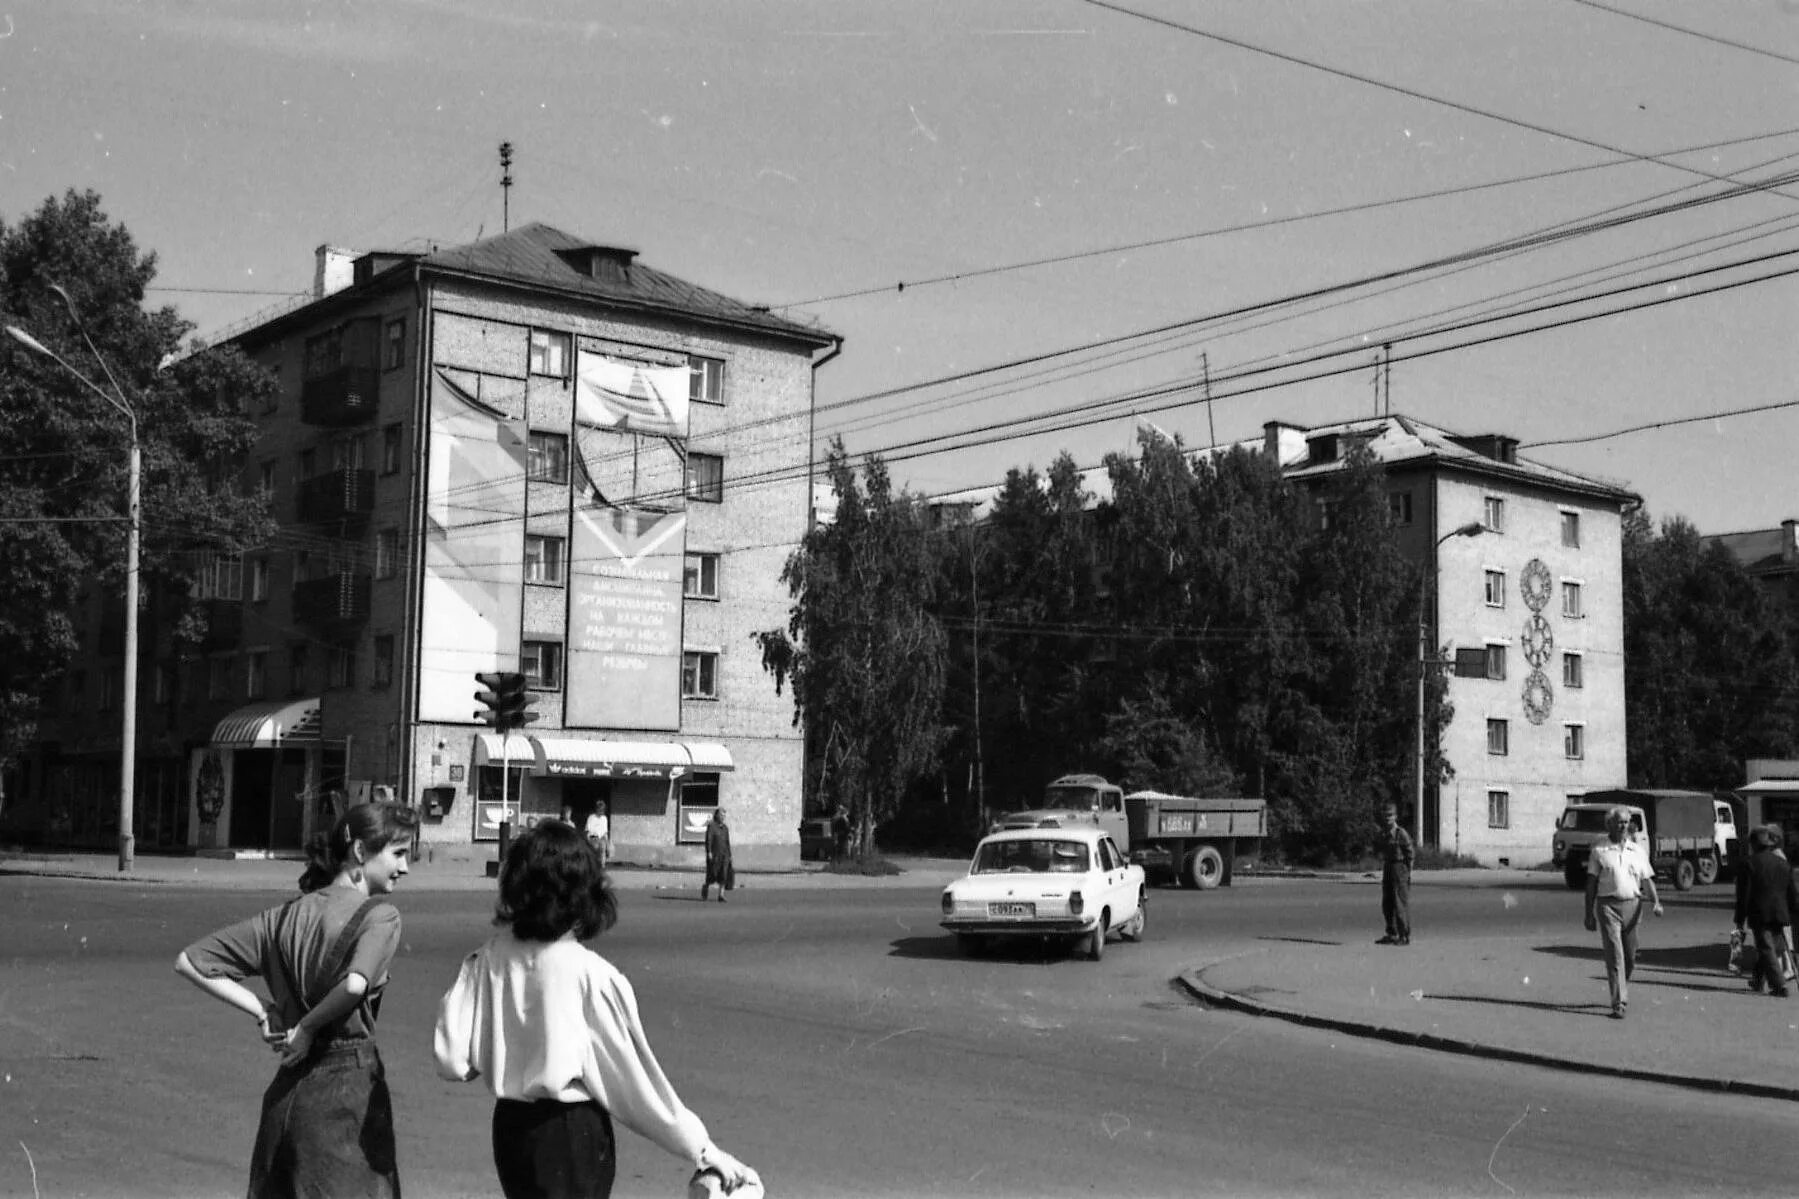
[837, 1041]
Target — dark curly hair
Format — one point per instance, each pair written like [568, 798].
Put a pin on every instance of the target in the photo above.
[553, 881]
[376, 825]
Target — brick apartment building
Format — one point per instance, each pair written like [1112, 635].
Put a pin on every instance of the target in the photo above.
[527, 453]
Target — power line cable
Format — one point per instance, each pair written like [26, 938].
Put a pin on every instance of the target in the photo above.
[1706, 37]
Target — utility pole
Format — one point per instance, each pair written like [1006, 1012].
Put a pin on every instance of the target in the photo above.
[1205, 371]
[505, 187]
[1386, 374]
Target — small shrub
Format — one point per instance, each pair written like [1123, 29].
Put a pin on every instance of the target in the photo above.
[1435, 858]
[873, 865]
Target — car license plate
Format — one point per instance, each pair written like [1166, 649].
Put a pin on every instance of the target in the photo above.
[1011, 909]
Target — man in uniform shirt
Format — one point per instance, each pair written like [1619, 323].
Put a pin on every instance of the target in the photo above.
[1617, 875]
[1396, 881]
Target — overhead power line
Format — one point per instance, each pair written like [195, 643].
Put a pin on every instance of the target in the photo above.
[1681, 29]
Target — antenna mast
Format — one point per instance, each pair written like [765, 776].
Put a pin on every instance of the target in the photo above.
[505, 187]
[1205, 370]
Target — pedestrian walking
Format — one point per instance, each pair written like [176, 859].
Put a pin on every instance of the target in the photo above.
[327, 1125]
[1617, 875]
[553, 1030]
[1397, 853]
[599, 831]
[1767, 897]
[718, 857]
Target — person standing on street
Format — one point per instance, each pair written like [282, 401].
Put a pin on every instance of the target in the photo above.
[327, 1124]
[1617, 875]
[718, 857]
[599, 831]
[1396, 881]
[1767, 897]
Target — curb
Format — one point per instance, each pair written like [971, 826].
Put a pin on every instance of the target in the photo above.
[1196, 986]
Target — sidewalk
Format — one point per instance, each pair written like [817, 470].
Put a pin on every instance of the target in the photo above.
[1537, 997]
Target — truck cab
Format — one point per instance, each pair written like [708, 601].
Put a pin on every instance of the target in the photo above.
[1076, 800]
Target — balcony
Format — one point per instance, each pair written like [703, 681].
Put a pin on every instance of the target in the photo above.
[337, 495]
[334, 599]
[339, 398]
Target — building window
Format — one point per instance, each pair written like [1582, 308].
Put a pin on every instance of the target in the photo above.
[549, 353]
[1499, 809]
[546, 457]
[256, 674]
[1571, 529]
[1499, 737]
[706, 478]
[220, 577]
[342, 672]
[109, 690]
[259, 580]
[1572, 675]
[299, 669]
[346, 453]
[1493, 514]
[1496, 661]
[542, 663]
[309, 463]
[1571, 600]
[1496, 589]
[390, 450]
[384, 660]
[324, 353]
[705, 380]
[543, 559]
[218, 677]
[1399, 507]
[266, 480]
[1574, 741]
[700, 578]
[387, 553]
[393, 344]
[699, 675]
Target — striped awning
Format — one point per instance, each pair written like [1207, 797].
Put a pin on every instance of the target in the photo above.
[518, 750]
[577, 757]
[268, 725]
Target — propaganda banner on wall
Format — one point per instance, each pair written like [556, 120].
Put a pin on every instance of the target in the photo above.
[628, 544]
[474, 543]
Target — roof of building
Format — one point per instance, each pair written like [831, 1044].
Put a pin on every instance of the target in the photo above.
[1761, 551]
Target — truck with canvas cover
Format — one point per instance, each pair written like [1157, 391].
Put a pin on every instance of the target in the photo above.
[1687, 834]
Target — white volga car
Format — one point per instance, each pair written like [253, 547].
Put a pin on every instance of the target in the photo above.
[1047, 882]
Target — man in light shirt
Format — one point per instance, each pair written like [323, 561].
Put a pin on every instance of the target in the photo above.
[1617, 875]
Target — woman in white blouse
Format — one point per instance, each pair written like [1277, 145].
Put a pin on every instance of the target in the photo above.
[581, 1060]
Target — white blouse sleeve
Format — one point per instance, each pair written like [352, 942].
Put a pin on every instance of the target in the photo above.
[630, 1082]
[457, 1016]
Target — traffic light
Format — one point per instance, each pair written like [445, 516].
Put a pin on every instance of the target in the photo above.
[506, 704]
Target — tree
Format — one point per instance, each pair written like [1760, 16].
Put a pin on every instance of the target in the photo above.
[862, 648]
[62, 477]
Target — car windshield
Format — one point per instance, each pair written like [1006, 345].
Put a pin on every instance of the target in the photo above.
[1035, 856]
[1078, 799]
[1584, 820]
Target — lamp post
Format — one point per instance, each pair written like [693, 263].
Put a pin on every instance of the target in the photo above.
[128, 734]
[1472, 529]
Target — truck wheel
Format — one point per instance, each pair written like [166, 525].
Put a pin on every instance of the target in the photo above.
[1205, 867]
[1133, 928]
[1575, 875]
[1684, 873]
[1708, 870]
[1096, 940]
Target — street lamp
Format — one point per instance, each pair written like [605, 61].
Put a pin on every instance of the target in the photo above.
[128, 735]
[1472, 529]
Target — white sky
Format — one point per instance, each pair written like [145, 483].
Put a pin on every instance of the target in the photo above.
[784, 151]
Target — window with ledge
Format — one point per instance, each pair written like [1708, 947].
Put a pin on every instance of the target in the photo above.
[220, 577]
[346, 453]
[390, 450]
[1499, 809]
[1499, 737]
[256, 674]
[1571, 529]
[541, 662]
[259, 580]
[706, 478]
[218, 677]
[342, 671]
[549, 353]
[1571, 607]
[699, 580]
[1573, 675]
[299, 669]
[384, 660]
[699, 675]
[1574, 741]
[387, 553]
[546, 457]
[266, 478]
[1399, 507]
[543, 559]
[1495, 588]
[705, 379]
[324, 353]
[1495, 661]
[393, 344]
[1492, 517]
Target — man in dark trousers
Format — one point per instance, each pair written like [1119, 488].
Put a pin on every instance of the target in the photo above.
[1766, 899]
[1396, 881]
[718, 857]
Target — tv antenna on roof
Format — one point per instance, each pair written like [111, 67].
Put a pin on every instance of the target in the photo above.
[505, 187]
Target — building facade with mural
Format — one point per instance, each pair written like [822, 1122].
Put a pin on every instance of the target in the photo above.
[530, 453]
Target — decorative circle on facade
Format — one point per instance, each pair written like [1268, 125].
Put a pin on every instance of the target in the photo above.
[1535, 584]
[1539, 640]
[1539, 697]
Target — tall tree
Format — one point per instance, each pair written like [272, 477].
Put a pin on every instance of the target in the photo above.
[862, 648]
[62, 476]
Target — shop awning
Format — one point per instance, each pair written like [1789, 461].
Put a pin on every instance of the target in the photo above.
[576, 757]
[268, 725]
[519, 750]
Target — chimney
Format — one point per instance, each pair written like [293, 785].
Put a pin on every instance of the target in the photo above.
[1789, 541]
[333, 270]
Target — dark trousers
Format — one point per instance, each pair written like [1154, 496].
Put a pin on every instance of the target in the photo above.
[327, 1129]
[546, 1149]
[1770, 952]
[1396, 900]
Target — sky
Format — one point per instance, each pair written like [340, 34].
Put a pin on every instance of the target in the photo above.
[1038, 225]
